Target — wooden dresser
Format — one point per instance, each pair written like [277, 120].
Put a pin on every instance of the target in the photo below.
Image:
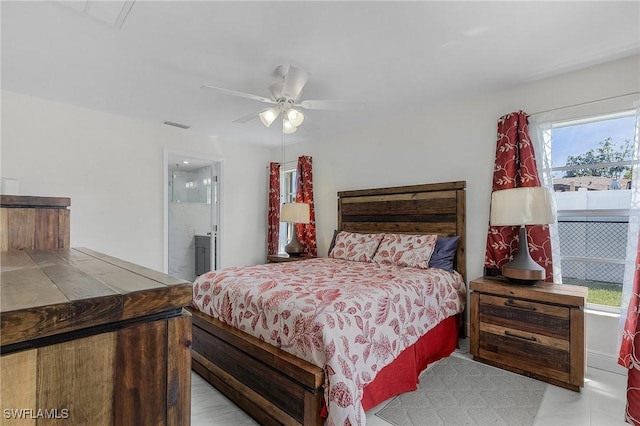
[89, 339]
[534, 330]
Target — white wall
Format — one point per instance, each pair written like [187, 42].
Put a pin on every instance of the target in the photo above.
[453, 141]
[104, 162]
[112, 169]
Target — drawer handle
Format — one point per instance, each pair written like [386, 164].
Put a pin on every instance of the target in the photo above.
[529, 338]
[513, 304]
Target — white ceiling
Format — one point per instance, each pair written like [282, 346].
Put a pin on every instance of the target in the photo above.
[398, 57]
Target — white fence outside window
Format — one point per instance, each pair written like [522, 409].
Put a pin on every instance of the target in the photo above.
[593, 226]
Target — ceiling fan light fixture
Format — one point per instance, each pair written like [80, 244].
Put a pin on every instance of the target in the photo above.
[287, 127]
[269, 116]
[295, 117]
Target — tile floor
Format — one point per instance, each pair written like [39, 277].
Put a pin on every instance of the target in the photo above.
[601, 403]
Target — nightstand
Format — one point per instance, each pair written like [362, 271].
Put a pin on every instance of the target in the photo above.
[276, 258]
[537, 330]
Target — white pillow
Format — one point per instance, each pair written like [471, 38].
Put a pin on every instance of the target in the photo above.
[406, 250]
[356, 247]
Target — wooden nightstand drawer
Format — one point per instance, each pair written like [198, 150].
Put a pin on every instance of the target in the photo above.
[525, 315]
[536, 330]
[513, 336]
[534, 352]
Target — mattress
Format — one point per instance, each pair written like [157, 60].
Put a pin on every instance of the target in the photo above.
[350, 318]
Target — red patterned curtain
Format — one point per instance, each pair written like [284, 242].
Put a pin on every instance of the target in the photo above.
[273, 219]
[304, 194]
[630, 356]
[515, 167]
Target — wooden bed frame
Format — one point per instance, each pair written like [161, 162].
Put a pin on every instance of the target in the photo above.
[275, 387]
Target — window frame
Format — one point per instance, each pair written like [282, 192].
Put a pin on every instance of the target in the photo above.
[288, 195]
[593, 213]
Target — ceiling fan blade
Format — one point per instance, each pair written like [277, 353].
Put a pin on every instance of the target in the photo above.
[336, 105]
[276, 90]
[294, 81]
[241, 94]
[246, 118]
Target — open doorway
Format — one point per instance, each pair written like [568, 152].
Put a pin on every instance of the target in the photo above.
[192, 214]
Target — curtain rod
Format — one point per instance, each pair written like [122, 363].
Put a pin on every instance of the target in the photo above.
[282, 164]
[586, 103]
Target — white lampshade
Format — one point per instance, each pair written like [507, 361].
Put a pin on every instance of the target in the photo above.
[295, 213]
[521, 206]
[268, 116]
[295, 117]
[287, 127]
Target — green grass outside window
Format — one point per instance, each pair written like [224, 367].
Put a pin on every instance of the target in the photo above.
[600, 293]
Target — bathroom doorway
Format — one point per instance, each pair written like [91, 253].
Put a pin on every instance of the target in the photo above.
[192, 214]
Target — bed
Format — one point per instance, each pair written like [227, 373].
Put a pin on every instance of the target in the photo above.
[274, 385]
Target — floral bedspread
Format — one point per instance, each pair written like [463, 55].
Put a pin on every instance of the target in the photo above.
[350, 318]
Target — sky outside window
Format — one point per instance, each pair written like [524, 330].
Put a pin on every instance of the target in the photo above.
[580, 138]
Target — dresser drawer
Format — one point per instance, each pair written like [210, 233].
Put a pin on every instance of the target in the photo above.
[531, 352]
[530, 318]
[519, 332]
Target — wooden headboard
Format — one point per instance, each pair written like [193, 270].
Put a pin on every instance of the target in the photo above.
[436, 208]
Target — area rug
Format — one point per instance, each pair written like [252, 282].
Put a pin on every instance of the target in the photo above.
[459, 391]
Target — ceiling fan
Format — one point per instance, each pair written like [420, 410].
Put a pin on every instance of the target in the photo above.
[284, 98]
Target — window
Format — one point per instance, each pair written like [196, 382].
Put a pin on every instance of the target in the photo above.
[288, 191]
[591, 170]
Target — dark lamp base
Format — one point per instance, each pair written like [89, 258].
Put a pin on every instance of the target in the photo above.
[523, 269]
[294, 248]
[515, 277]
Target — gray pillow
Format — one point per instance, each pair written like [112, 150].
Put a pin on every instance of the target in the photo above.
[444, 253]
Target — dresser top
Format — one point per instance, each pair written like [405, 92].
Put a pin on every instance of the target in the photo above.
[47, 292]
[561, 294]
[22, 201]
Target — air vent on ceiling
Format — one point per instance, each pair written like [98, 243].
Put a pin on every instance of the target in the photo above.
[171, 123]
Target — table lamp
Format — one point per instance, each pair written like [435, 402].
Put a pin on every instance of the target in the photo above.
[520, 207]
[295, 213]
